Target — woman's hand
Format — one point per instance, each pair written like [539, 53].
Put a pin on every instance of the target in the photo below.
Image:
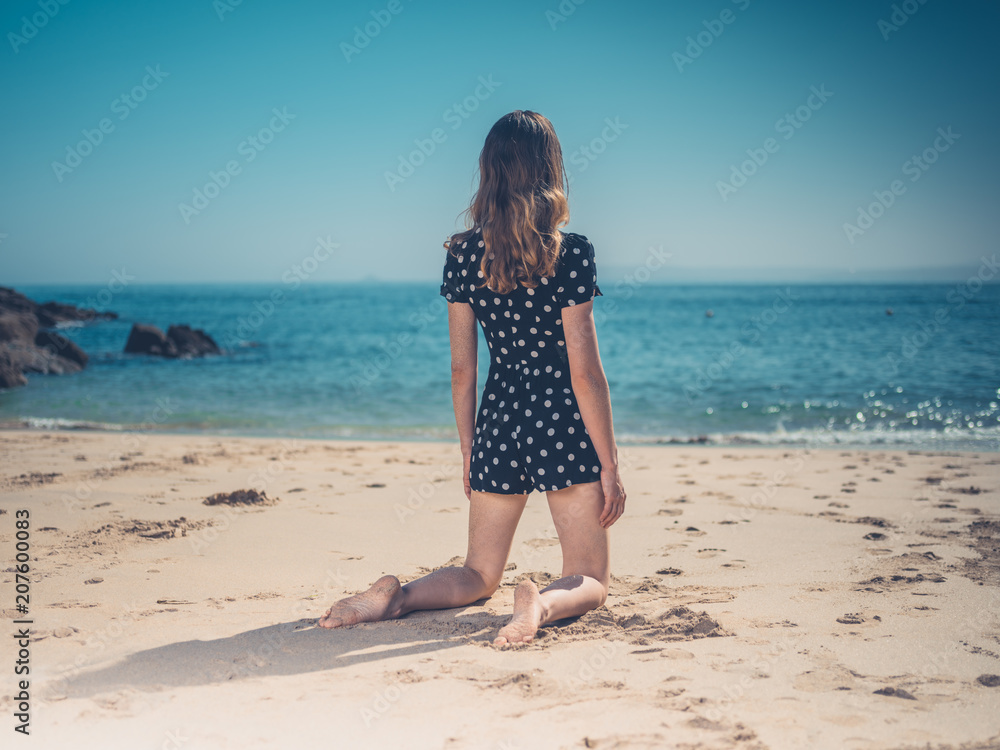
[467, 462]
[614, 497]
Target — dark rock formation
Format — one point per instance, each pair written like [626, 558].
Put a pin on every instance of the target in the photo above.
[178, 341]
[17, 326]
[144, 339]
[49, 314]
[62, 347]
[25, 345]
[10, 374]
[192, 342]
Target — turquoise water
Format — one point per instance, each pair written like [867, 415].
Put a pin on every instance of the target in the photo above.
[807, 364]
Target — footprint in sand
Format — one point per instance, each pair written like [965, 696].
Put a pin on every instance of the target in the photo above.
[676, 653]
[852, 618]
[834, 677]
[895, 692]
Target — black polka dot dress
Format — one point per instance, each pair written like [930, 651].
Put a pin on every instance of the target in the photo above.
[529, 432]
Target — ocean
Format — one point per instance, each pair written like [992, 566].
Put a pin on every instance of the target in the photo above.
[808, 365]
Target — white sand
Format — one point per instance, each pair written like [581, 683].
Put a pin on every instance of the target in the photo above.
[748, 608]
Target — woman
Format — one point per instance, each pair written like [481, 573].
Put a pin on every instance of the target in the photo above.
[544, 420]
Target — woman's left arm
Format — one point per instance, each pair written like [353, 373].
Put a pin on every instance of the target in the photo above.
[464, 372]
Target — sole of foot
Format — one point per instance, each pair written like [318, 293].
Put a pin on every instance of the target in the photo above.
[370, 606]
[527, 616]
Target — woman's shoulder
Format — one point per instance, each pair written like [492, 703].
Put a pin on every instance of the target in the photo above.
[576, 249]
[572, 239]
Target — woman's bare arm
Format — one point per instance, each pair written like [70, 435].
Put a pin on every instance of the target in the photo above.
[590, 386]
[464, 371]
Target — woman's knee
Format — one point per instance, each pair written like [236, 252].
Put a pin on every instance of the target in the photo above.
[490, 581]
[604, 591]
[604, 582]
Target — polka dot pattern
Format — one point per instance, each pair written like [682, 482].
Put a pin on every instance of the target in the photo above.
[529, 432]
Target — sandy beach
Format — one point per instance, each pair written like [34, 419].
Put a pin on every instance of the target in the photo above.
[762, 598]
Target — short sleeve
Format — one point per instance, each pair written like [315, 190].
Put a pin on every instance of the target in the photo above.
[577, 275]
[454, 287]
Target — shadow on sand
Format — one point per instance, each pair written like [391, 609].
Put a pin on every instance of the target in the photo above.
[288, 648]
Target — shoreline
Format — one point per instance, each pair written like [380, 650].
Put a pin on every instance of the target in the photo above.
[989, 445]
[760, 598]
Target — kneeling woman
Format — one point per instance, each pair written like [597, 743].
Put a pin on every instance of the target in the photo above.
[544, 419]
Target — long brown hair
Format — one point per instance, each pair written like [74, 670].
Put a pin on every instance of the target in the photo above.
[520, 203]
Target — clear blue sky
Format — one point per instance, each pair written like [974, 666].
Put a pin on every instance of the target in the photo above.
[324, 174]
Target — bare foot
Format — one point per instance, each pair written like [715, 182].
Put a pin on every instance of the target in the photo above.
[527, 617]
[380, 602]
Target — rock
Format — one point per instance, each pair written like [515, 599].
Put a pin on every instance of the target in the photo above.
[25, 345]
[49, 314]
[192, 342]
[62, 347]
[11, 301]
[17, 326]
[52, 313]
[144, 339]
[11, 376]
[178, 341]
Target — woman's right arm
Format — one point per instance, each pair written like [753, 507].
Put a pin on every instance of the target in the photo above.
[464, 370]
[590, 386]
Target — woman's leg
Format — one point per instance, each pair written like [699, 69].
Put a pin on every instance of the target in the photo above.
[586, 570]
[492, 522]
